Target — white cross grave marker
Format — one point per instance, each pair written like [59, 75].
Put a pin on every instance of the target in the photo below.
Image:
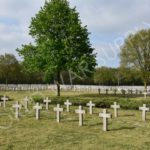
[91, 105]
[47, 101]
[26, 101]
[80, 112]
[105, 117]
[4, 100]
[37, 107]
[17, 107]
[115, 107]
[67, 103]
[58, 112]
[144, 109]
[145, 95]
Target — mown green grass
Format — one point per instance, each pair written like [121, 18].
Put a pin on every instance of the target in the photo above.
[127, 132]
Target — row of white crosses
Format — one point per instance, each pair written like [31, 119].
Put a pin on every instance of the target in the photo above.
[79, 111]
[26, 101]
[58, 111]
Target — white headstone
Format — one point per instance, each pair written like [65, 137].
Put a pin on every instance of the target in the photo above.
[144, 109]
[115, 107]
[80, 112]
[26, 101]
[105, 117]
[17, 108]
[68, 104]
[91, 105]
[47, 101]
[4, 100]
[58, 112]
[37, 107]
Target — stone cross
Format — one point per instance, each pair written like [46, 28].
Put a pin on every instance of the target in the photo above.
[91, 105]
[144, 109]
[47, 101]
[58, 112]
[145, 95]
[80, 112]
[115, 107]
[4, 100]
[37, 107]
[17, 107]
[26, 100]
[67, 103]
[105, 117]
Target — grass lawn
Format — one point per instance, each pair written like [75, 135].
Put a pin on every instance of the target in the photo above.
[127, 132]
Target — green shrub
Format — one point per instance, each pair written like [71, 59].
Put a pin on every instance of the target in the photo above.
[37, 98]
[103, 102]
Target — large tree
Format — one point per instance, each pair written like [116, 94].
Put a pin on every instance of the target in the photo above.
[135, 52]
[61, 42]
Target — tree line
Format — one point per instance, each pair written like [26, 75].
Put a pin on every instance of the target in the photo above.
[13, 71]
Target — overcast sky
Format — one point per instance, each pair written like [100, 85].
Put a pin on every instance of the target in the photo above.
[108, 21]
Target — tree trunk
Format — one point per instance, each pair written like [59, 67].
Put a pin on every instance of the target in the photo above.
[145, 86]
[58, 83]
[6, 82]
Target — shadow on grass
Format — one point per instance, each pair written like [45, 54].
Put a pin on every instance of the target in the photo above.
[127, 115]
[122, 128]
[111, 95]
[92, 125]
[70, 120]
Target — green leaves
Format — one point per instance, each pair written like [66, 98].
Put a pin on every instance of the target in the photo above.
[61, 42]
[135, 52]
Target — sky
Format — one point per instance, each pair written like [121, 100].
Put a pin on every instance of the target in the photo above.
[108, 21]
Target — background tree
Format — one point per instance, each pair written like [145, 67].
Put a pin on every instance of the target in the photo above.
[105, 76]
[117, 76]
[9, 68]
[135, 53]
[61, 42]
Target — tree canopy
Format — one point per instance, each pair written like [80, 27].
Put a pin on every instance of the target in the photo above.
[61, 42]
[135, 52]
